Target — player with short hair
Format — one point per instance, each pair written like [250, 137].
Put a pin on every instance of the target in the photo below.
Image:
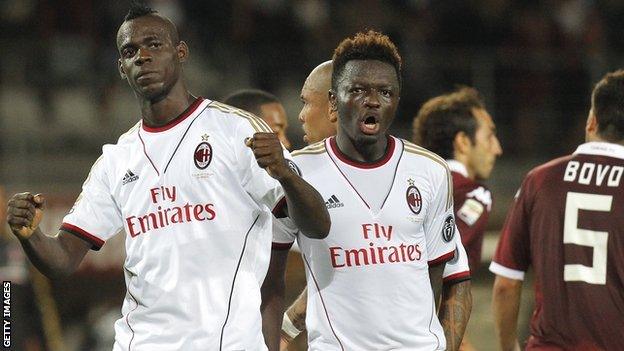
[370, 281]
[187, 185]
[264, 105]
[566, 222]
[457, 127]
[457, 298]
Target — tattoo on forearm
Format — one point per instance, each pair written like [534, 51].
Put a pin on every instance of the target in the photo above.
[455, 312]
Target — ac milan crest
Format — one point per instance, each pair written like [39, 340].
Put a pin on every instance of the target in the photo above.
[202, 155]
[414, 199]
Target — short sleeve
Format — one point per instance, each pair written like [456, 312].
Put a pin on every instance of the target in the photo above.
[263, 189]
[95, 217]
[439, 223]
[457, 269]
[513, 253]
[284, 233]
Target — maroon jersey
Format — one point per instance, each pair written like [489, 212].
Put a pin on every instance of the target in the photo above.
[472, 202]
[567, 222]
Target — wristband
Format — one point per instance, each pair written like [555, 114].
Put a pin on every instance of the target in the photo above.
[289, 328]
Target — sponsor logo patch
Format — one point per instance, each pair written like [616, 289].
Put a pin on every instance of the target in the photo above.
[448, 229]
[470, 211]
[333, 202]
[293, 167]
[129, 177]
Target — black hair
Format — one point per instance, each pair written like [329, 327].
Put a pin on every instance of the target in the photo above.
[138, 9]
[608, 106]
[440, 119]
[371, 45]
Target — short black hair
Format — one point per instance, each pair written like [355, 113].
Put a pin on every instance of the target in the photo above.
[371, 45]
[138, 9]
[250, 100]
[608, 106]
[440, 119]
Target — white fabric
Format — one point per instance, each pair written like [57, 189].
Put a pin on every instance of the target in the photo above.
[198, 240]
[459, 264]
[368, 281]
[458, 167]
[601, 148]
[506, 272]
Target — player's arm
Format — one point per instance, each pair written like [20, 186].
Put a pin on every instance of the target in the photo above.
[55, 256]
[505, 304]
[454, 312]
[294, 320]
[302, 199]
[272, 307]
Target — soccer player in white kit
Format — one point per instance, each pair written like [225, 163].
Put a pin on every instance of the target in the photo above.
[187, 185]
[370, 281]
[319, 122]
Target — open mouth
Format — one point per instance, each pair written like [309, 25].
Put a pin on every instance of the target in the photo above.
[370, 125]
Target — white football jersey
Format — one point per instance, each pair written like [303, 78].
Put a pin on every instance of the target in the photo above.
[196, 209]
[368, 280]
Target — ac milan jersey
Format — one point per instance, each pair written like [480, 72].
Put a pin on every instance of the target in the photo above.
[195, 207]
[567, 223]
[368, 280]
[473, 203]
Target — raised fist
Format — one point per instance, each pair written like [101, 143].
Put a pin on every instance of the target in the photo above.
[269, 154]
[24, 214]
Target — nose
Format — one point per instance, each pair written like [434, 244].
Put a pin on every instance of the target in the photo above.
[143, 55]
[498, 149]
[371, 99]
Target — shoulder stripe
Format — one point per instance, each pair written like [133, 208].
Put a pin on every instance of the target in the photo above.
[413, 149]
[316, 148]
[257, 123]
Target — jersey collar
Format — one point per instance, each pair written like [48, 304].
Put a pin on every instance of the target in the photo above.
[457, 167]
[193, 107]
[333, 146]
[601, 148]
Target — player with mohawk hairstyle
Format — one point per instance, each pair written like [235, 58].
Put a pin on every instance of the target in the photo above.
[370, 281]
[193, 185]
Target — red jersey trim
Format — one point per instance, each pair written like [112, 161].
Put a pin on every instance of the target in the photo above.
[457, 278]
[83, 234]
[442, 259]
[281, 246]
[279, 209]
[174, 122]
[365, 165]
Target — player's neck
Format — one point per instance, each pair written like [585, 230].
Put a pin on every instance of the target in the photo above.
[364, 152]
[159, 113]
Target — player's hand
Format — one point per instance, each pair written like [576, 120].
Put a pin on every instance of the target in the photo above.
[269, 154]
[24, 214]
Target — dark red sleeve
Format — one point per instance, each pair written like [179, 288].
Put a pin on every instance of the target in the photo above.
[514, 246]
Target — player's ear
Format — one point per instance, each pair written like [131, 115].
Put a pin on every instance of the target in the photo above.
[461, 142]
[182, 51]
[332, 101]
[591, 127]
[333, 114]
[122, 74]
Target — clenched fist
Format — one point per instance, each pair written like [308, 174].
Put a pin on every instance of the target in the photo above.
[269, 154]
[24, 214]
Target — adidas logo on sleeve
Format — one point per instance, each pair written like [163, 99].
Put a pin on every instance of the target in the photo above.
[333, 202]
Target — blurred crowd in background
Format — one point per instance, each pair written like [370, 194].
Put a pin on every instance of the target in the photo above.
[61, 96]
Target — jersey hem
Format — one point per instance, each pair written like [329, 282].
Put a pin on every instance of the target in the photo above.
[506, 272]
[83, 234]
[457, 278]
[442, 259]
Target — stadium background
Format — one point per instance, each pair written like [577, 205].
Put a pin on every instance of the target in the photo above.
[61, 98]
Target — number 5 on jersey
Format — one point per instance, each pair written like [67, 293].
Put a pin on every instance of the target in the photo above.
[597, 274]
